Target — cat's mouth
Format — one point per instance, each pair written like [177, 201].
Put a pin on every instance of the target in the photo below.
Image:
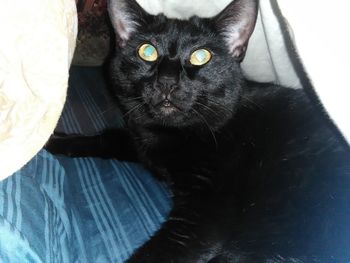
[167, 107]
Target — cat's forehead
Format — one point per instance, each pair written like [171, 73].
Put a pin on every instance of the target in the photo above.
[172, 35]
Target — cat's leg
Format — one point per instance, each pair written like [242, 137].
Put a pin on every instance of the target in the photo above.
[240, 257]
[275, 239]
[194, 232]
[110, 144]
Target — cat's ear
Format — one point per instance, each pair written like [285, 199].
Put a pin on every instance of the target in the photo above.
[236, 23]
[127, 17]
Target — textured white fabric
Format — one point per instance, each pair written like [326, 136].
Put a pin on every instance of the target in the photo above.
[322, 37]
[36, 48]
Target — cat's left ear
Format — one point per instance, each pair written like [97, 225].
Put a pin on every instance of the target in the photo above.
[127, 17]
[236, 23]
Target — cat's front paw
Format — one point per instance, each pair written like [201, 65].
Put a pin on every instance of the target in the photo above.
[147, 259]
[162, 254]
[157, 256]
[60, 144]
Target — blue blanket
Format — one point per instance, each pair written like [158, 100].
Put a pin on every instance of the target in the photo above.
[59, 209]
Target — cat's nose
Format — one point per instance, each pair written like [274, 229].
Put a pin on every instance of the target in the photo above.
[166, 85]
[168, 76]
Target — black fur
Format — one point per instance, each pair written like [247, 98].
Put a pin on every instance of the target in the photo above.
[257, 174]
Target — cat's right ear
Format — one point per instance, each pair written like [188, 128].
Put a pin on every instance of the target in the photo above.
[127, 17]
[236, 24]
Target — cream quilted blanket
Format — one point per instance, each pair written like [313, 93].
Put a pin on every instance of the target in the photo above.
[36, 46]
[38, 40]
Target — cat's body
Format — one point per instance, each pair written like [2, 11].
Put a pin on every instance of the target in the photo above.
[256, 172]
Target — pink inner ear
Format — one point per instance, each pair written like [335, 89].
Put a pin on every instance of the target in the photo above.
[122, 32]
[124, 25]
[237, 39]
[237, 22]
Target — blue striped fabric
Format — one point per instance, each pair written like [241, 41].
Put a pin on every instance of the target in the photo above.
[59, 209]
[89, 107]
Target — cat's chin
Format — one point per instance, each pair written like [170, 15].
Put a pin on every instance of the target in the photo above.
[167, 109]
[170, 117]
[163, 116]
[168, 114]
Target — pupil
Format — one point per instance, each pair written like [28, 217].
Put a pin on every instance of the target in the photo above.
[148, 51]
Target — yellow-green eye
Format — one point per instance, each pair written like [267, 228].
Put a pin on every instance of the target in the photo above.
[200, 57]
[148, 52]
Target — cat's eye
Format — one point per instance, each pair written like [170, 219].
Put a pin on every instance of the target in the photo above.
[148, 52]
[200, 57]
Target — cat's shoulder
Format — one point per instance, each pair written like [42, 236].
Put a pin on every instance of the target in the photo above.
[279, 108]
[273, 99]
[288, 111]
[270, 93]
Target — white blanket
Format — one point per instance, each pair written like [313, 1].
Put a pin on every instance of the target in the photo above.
[38, 39]
[36, 47]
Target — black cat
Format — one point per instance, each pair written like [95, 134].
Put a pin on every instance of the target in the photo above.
[256, 172]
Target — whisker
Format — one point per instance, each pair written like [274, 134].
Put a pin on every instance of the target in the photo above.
[251, 101]
[182, 220]
[203, 178]
[181, 243]
[223, 107]
[114, 107]
[142, 115]
[180, 235]
[131, 99]
[207, 124]
[139, 105]
[206, 107]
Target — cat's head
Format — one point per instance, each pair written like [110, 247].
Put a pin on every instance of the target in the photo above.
[179, 72]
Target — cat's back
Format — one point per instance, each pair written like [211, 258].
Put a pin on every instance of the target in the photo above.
[278, 130]
[294, 169]
[288, 149]
[281, 130]
[273, 116]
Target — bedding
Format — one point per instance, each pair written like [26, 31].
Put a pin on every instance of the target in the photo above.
[86, 210]
[89, 108]
[36, 48]
[61, 209]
